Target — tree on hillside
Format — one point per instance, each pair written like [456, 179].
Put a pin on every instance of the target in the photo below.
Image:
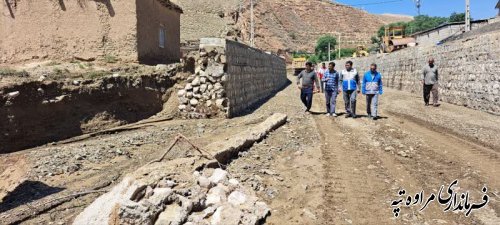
[321, 49]
[457, 17]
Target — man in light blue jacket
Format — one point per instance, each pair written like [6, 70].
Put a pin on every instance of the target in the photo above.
[372, 88]
[350, 86]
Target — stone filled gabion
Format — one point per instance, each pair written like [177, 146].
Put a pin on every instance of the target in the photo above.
[468, 70]
[204, 93]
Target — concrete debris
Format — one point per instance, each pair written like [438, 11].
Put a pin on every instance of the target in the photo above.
[178, 192]
[224, 203]
[223, 151]
[218, 176]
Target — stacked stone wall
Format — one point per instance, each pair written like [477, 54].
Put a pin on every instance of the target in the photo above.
[469, 74]
[229, 79]
[253, 76]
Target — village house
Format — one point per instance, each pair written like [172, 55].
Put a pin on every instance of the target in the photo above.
[144, 31]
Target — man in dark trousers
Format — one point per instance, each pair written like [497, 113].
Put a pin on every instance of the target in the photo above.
[430, 82]
[332, 81]
[351, 87]
[305, 82]
[372, 88]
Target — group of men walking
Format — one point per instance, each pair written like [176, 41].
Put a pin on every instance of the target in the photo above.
[332, 83]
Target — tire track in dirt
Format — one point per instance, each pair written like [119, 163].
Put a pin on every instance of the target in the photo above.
[353, 187]
[443, 157]
[346, 161]
[454, 157]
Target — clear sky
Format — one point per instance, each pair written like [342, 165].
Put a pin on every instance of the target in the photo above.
[480, 9]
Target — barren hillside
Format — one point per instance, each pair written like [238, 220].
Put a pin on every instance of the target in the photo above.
[392, 18]
[281, 24]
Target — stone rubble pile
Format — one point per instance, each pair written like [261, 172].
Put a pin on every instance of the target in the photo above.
[208, 197]
[186, 190]
[204, 95]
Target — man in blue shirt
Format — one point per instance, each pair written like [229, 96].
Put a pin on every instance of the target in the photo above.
[332, 81]
[350, 85]
[372, 88]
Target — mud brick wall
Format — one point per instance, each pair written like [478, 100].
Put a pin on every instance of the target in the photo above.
[229, 79]
[469, 74]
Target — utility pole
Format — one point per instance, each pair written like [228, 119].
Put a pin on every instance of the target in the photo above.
[252, 28]
[239, 8]
[417, 4]
[467, 15]
[339, 45]
[329, 51]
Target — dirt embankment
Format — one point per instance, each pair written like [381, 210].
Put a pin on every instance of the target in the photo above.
[35, 113]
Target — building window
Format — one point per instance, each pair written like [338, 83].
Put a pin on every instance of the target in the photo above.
[161, 38]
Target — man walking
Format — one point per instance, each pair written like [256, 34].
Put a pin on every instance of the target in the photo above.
[305, 82]
[430, 83]
[332, 82]
[351, 87]
[321, 74]
[372, 88]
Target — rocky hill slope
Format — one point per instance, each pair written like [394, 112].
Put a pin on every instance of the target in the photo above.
[281, 25]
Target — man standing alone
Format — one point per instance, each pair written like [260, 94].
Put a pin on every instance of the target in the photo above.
[305, 82]
[350, 86]
[372, 88]
[430, 82]
[332, 82]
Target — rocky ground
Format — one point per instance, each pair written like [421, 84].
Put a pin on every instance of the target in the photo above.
[313, 170]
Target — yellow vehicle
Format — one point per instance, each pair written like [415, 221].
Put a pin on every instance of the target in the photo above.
[394, 39]
[298, 64]
[360, 52]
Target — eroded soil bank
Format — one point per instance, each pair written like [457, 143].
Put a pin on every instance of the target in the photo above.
[35, 113]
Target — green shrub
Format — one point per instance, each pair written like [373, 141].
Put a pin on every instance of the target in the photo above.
[110, 59]
[12, 72]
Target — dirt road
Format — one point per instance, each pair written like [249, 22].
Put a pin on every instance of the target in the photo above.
[313, 170]
[367, 162]
[348, 171]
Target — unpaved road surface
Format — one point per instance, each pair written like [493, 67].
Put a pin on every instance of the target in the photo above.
[313, 170]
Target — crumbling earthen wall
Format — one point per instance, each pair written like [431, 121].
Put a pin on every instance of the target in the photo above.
[63, 29]
[87, 29]
[202, 19]
[468, 70]
[230, 78]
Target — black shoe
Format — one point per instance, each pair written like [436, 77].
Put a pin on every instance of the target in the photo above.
[375, 118]
[348, 115]
[354, 116]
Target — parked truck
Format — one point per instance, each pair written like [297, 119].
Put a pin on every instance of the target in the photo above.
[298, 64]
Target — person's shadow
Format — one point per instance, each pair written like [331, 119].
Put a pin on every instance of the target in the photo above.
[343, 113]
[27, 192]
